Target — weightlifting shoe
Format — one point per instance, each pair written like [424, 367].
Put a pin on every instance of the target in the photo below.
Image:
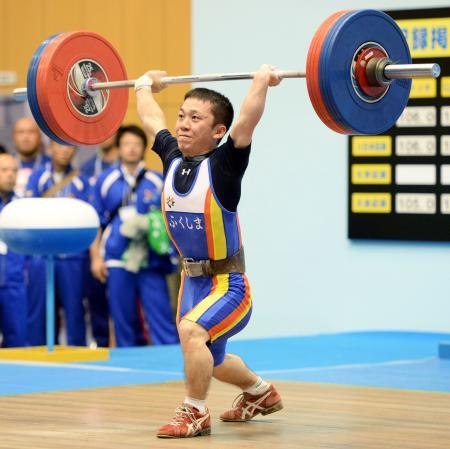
[246, 406]
[187, 422]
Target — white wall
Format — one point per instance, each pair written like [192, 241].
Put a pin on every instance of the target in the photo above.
[307, 277]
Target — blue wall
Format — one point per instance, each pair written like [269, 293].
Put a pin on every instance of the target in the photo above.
[307, 277]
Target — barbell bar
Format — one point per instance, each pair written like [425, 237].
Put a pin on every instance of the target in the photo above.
[391, 72]
[358, 77]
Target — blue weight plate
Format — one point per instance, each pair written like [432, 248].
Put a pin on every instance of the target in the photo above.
[32, 95]
[347, 35]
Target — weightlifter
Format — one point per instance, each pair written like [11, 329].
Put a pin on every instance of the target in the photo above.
[201, 193]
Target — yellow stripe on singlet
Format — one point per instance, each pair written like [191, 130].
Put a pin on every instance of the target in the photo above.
[218, 230]
[220, 289]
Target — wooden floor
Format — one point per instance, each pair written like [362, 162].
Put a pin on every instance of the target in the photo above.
[315, 416]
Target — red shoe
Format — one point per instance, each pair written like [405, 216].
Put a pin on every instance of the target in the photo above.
[187, 422]
[246, 406]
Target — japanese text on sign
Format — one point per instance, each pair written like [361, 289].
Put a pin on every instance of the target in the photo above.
[427, 37]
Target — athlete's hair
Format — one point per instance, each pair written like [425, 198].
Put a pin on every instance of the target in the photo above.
[221, 106]
[132, 129]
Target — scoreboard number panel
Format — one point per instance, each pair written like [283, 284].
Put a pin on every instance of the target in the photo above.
[399, 182]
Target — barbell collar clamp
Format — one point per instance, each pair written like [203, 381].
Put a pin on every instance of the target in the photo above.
[87, 87]
[375, 72]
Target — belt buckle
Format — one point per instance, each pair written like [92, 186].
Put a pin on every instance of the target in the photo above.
[188, 265]
[186, 261]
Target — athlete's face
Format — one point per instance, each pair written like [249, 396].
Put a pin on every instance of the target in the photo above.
[131, 148]
[8, 173]
[195, 128]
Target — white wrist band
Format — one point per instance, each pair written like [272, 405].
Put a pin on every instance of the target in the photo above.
[143, 81]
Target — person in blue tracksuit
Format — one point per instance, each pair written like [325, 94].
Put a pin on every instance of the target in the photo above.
[13, 299]
[123, 195]
[58, 180]
[28, 150]
[105, 158]
[95, 291]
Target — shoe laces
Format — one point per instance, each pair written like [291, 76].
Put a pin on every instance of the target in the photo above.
[243, 399]
[239, 401]
[181, 413]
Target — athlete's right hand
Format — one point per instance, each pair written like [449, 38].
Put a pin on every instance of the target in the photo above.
[151, 79]
[99, 269]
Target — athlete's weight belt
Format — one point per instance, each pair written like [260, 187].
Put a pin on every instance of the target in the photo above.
[232, 264]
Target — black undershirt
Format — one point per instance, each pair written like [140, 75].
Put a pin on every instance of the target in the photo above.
[228, 165]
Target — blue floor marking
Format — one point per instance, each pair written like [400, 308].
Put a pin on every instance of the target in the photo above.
[33, 378]
[385, 359]
[428, 375]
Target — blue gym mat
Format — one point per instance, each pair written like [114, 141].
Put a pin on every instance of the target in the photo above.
[407, 360]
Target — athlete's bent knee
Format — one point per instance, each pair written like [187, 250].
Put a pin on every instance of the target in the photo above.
[192, 334]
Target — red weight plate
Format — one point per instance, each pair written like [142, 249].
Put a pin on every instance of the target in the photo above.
[360, 68]
[312, 73]
[43, 95]
[64, 65]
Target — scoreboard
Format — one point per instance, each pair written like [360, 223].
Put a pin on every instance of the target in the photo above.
[399, 182]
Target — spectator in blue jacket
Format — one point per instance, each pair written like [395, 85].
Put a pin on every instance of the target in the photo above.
[95, 291]
[28, 149]
[13, 299]
[121, 256]
[58, 180]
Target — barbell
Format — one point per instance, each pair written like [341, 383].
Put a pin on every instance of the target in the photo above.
[358, 75]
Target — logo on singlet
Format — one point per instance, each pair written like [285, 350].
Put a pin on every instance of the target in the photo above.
[185, 172]
[170, 201]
